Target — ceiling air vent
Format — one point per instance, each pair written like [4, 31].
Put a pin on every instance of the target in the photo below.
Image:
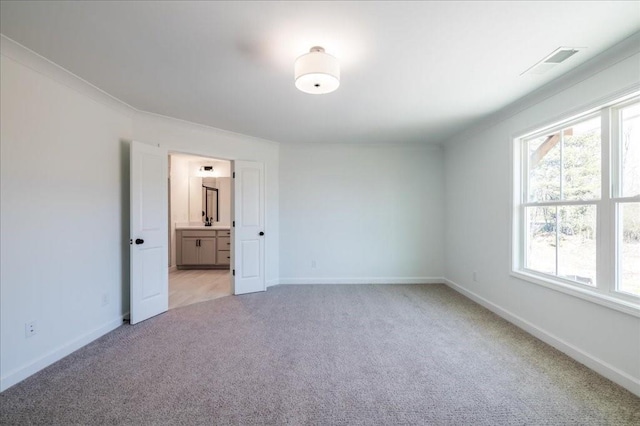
[552, 60]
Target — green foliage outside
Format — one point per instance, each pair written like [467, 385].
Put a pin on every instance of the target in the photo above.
[579, 170]
[570, 173]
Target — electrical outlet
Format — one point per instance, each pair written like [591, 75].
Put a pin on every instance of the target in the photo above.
[30, 328]
[475, 276]
[105, 299]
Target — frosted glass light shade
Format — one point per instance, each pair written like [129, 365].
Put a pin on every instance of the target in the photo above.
[317, 72]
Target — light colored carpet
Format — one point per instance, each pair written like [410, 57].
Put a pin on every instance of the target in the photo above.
[321, 355]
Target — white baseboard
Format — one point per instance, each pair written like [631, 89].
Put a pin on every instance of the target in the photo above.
[19, 374]
[365, 280]
[599, 366]
[271, 283]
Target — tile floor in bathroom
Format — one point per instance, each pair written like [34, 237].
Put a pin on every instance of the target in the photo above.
[188, 286]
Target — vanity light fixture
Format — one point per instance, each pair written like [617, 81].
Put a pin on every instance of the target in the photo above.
[206, 171]
[317, 72]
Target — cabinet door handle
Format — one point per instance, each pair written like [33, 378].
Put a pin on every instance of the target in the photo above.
[197, 243]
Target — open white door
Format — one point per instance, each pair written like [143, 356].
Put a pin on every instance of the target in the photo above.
[249, 227]
[149, 235]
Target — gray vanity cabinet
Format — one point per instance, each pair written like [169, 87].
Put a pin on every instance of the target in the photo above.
[202, 248]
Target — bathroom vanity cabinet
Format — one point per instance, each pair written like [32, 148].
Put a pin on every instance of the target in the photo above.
[203, 248]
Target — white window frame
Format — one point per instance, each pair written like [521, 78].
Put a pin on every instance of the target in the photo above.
[604, 293]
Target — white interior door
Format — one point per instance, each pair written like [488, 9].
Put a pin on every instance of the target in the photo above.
[149, 235]
[249, 229]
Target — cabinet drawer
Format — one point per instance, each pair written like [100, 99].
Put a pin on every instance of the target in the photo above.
[198, 233]
[224, 243]
[223, 257]
[224, 233]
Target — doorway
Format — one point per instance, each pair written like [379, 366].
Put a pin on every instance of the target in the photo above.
[199, 229]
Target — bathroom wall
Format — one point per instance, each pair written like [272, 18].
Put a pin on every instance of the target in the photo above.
[186, 202]
[179, 199]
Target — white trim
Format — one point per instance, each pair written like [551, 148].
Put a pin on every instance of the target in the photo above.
[615, 303]
[185, 124]
[13, 50]
[562, 203]
[596, 364]
[604, 293]
[38, 63]
[599, 63]
[364, 280]
[19, 374]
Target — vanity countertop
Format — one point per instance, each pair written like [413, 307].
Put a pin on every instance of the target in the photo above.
[202, 227]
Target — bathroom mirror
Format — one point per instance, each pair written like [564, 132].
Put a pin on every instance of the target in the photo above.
[210, 201]
[204, 200]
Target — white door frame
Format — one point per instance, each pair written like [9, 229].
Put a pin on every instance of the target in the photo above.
[233, 197]
[166, 206]
[232, 218]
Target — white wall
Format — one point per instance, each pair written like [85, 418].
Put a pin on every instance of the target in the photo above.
[179, 199]
[224, 201]
[63, 210]
[188, 138]
[478, 208]
[65, 205]
[361, 213]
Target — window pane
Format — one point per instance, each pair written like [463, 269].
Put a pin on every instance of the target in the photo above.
[581, 161]
[630, 150]
[629, 248]
[540, 254]
[577, 244]
[544, 168]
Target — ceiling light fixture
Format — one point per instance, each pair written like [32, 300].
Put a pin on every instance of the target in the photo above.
[317, 72]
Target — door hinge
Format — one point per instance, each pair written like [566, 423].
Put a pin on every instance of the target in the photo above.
[234, 223]
[234, 272]
[234, 175]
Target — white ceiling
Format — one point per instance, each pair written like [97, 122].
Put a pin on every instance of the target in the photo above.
[411, 71]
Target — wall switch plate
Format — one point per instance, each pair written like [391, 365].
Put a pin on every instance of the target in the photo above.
[313, 264]
[30, 328]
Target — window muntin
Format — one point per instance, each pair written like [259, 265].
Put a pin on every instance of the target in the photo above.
[565, 164]
[582, 161]
[562, 167]
[544, 168]
[579, 209]
[628, 240]
[630, 150]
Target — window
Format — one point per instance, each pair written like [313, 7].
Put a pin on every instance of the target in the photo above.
[577, 204]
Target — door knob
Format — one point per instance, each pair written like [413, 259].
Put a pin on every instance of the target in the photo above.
[261, 233]
[139, 241]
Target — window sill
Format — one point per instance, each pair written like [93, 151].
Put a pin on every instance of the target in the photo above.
[621, 305]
